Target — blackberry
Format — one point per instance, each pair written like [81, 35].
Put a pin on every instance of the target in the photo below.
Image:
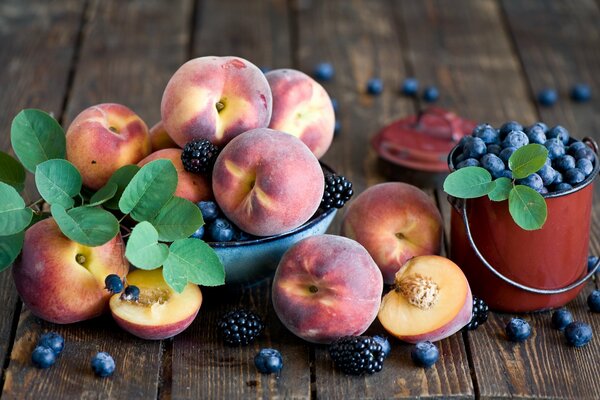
[338, 190]
[240, 327]
[199, 156]
[480, 314]
[357, 355]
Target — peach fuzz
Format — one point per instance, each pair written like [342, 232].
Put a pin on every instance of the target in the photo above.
[102, 139]
[302, 107]
[215, 98]
[189, 186]
[326, 287]
[267, 182]
[431, 300]
[395, 221]
[160, 139]
[62, 281]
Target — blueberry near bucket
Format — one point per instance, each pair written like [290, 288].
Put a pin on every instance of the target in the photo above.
[521, 270]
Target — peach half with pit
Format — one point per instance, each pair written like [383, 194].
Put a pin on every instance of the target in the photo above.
[160, 312]
[431, 300]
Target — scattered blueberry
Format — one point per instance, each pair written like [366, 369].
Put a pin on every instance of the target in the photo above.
[493, 164]
[574, 147]
[581, 92]
[469, 162]
[474, 148]
[486, 133]
[494, 149]
[508, 127]
[220, 230]
[547, 97]
[585, 165]
[383, 341]
[199, 234]
[536, 134]
[324, 71]
[506, 153]
[374, 86]
[431, 94]
[585, 152]
[335, 105]
[113, 283]
[578, 334]
[518, 330]
[564, 163]
[103, 364]
[43, 357]
[268, 361]
[548, 174]
[574, 176]
[561, 318]
[209, 210]
[591, 263]
[410, 86]
[534, 181]
[558, 132]
[53, 341]
[555, 148]
[131, 293]
[425, 354]
[515, 139]
[562, 186]
[593, 301]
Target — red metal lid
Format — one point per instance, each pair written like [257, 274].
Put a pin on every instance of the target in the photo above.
[422, 141]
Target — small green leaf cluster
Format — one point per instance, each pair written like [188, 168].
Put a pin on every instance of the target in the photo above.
[526, 206]
[160, 222]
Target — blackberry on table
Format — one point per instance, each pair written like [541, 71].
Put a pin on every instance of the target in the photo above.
[338, 190]
[240, 327]
[357, 355]
[480, 314]
[199, 156]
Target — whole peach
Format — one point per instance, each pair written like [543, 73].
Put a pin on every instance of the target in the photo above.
[267, 182]
[160, 139]
[302, 107]
[215, 98]
[326, 287]
[62, 281]
[102, 139]
[395, 221]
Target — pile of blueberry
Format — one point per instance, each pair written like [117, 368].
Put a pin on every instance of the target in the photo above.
[569, 161]
[218, 228]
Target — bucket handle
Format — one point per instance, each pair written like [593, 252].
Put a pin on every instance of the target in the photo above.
[510, 281]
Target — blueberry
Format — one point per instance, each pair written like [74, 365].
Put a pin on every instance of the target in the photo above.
[581, 92]
[507, 173]
[335, 105]
[474, 148]
[544, 190]
[547, 97]
[593, 301]
[131, 293]
[536, 135]
[494, 149]
[585, 165]
[469, 162]
[574, 176]
[561, 318]
[103, 364]
[374, 86]
[240, 236]
[506, 153]
[264, 69]
[220, 230]
[459, 158]
[508, 127]
[113, 283]
[575, 146]
[199, 234]
[578, 334]
[337, 127]
[562, 186]
[209, 210]
[268, 361]
[548, 174]
[515, 139]
[555, 148]
[383, 341]
[410, 86]
[43, 357]
[493, 164]
[425, 354]
[518, 330]
[591, 263]
[324, 71]
[558, 178]
[53, 341]
[586, 153]
[564, 163]
[539, 124]
[534, 181]
[558, 132]
[431, 94]
[486, 133]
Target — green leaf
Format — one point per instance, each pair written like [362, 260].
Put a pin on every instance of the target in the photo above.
[12, 172]
[14, 216]
[469, 182]
[58, 181]
[89, 226]
[501, 190]
[178, 219]
[527, 159]
[104, 194]
[121, 178]
[527, 207]
[192, 260]
[149, 190]
[37, 137]
[143, 249]
[10, 247]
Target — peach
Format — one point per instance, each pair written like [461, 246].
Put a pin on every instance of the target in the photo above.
[395, 221]
[160, 312]
[302, 107]
[62, 281]
[326, 287]
[189, 186]
[102, 139]
[160, 139]
[215, 98]
[431, 300]
[267, 182]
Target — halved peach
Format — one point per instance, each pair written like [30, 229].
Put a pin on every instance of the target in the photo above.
[160, 312]
[431, 300]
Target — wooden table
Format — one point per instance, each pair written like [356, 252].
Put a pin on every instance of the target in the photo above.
[488, 58]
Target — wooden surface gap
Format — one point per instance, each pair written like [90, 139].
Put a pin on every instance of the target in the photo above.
[11, 342]
[165, 375]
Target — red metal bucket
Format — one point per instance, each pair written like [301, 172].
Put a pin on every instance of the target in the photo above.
[515, 270]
